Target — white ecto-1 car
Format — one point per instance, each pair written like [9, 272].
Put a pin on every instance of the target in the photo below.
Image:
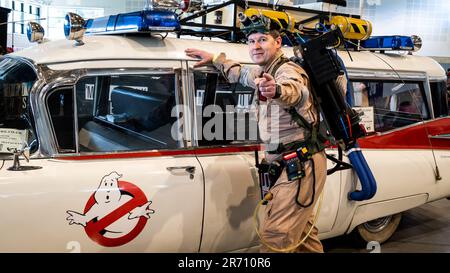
[107, 175]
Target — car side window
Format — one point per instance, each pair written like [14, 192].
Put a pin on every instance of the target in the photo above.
[224, 111]
[17, 78]
[126, 112]
[395, 104]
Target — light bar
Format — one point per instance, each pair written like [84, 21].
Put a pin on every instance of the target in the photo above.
[139, 21]
[392, 43]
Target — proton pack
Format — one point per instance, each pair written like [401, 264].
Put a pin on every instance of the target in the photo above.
[323, 68]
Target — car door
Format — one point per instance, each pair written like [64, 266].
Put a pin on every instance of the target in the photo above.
[117, 177]
[227, 141]
[232, 189]
[397, 149]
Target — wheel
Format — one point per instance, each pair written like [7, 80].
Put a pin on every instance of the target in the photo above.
[379, 230]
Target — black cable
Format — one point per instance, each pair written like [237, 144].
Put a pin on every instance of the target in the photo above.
[3, 164]
[348, 51]
[204, 198]
[340, 165]
[314, 187]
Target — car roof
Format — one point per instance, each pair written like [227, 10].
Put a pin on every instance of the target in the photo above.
[144, 47]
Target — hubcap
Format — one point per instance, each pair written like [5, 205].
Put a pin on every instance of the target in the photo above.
[378, 225]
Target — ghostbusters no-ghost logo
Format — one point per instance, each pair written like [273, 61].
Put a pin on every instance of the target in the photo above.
[115, 213]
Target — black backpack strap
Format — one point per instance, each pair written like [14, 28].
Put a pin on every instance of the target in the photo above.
[317, 140]
[282, 61]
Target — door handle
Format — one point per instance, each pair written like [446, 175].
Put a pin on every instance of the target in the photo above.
[188, 169]
[442, 136]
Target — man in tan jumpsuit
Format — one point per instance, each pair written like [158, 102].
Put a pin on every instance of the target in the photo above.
[286, 223]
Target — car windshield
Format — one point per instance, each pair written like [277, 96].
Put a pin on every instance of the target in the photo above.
[16, 79]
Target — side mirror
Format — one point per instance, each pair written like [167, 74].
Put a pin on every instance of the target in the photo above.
[16, 165]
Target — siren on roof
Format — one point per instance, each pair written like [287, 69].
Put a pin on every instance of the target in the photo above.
[139, 21]
[397, 43]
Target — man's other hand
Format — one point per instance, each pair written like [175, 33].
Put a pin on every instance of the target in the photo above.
[266, 85]
[205, 57]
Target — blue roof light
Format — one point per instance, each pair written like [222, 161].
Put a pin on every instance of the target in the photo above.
[389, 43]
[139, 21]
[66, 26]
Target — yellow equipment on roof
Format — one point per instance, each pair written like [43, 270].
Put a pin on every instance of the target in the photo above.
[352, 28]
[283, 19]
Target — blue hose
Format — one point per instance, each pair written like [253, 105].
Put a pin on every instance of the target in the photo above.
[365, 175]
[360, 170]
[372, 181]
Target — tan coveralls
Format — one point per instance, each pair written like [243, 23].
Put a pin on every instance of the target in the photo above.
[285, 223]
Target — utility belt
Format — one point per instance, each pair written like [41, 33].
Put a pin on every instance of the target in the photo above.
[312, 147]
[293, 158]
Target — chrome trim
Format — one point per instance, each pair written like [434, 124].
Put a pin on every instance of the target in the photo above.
[442, 136]
[56, 81]
[75, 122]
[50, 79]
[115, 59]
[62, 156]
[380, 74]
[128, 71]
[378, 224]
[190, 88]
[437, 79]
[423, 122]
[251, 152]
[427, 91]
[189, 169]
[192, 91]
[179, 102]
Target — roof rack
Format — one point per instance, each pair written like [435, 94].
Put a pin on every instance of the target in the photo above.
[232, 33]
[353, 30]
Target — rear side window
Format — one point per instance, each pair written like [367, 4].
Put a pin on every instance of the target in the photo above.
[392, 104]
